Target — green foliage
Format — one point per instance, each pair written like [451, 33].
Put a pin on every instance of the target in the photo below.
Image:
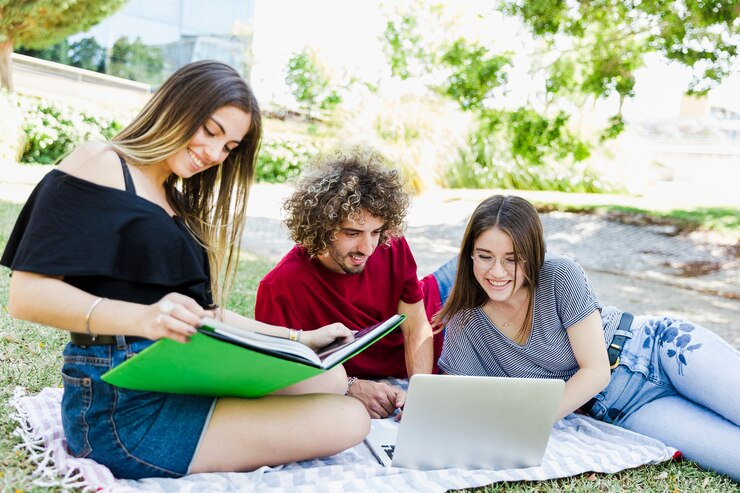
[53, 129]
[280, 159]
[135, 60]
[309, 82]
[475, 73]
[487, 161]
[41, 23]
[403, 46]
[615, 127]
[579, 53]
[55, 53]
[612, 36]
[85, 53]
[533, 138]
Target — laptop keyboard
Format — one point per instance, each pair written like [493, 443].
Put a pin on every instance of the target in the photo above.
[389, 449]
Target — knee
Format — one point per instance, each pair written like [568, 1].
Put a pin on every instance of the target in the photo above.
[357, 420]
[361, 419]
[337, 377]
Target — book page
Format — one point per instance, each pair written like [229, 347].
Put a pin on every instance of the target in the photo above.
[274, 345]
[336, 352]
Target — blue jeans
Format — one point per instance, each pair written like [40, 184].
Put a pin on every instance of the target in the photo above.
[135, 434]
[445, 277]
[679, 383]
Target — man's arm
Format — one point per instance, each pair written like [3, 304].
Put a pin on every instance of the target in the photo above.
[417, 336]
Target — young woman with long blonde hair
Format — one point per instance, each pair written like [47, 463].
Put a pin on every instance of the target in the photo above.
[137, 239]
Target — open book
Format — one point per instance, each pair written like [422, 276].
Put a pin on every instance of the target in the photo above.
[225, 361]
[326, 357]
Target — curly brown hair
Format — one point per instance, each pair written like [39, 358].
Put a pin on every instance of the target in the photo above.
[344, 187]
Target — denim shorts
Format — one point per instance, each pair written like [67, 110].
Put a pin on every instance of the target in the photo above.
[135, 434]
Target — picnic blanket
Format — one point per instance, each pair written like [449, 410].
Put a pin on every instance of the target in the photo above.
[578, 444]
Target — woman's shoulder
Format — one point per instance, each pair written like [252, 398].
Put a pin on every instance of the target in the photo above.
[562, 273]
[555, 262]
[96, 162]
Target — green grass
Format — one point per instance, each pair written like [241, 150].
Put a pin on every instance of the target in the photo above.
[30, 357]
[725, 220]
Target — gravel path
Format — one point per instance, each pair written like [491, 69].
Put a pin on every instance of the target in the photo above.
[642, 269]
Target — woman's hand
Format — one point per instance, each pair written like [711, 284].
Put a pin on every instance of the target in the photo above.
[316, 339]
[175, 317]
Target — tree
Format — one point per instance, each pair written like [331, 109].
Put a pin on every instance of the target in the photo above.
[309, 82]
[88, 54]
[578, 53]
[135, 60]
[85, 53]
[55, 53]
[39, 23]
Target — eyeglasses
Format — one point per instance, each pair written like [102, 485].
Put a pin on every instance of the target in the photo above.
[487, 262]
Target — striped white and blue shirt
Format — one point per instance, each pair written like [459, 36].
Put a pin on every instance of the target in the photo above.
[563, 298]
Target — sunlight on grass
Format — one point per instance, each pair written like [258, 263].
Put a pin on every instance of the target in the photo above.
[724, 220]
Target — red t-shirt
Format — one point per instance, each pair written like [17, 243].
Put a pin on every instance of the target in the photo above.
[301, 293]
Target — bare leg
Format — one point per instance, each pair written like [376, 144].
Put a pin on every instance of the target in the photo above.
[245, 434]
[333, 381]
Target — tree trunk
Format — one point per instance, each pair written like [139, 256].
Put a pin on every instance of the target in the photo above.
[6, 68]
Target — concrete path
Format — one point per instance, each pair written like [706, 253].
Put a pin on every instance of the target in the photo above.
[641, 269]
[637, 268]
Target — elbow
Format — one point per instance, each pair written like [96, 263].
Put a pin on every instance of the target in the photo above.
[15, 307]
[604, 376]
[18, 306]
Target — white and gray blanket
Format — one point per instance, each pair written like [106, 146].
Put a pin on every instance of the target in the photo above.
[578, 444]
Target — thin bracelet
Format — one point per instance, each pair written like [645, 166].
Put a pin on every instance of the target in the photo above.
[350, 381]
[293, 335]
[87, 318]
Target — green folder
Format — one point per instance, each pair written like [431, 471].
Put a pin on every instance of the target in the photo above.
[224, 361]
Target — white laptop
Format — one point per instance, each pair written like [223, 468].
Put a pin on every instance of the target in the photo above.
[469, 422]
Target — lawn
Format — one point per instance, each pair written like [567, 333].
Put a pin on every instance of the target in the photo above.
[30, 357]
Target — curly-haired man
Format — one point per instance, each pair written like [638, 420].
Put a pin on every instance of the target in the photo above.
[352, 265]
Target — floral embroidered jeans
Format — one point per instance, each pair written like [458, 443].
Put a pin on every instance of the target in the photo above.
[679, 383]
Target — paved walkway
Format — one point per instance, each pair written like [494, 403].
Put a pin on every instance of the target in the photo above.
[641, 269]
[638, 268]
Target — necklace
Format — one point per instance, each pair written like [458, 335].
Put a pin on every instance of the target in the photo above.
[505, 324]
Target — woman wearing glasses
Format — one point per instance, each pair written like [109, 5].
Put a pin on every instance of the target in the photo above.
[515, 311]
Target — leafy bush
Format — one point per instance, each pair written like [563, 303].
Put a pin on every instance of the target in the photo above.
[281, 158]
[52, 129]
[484, 164]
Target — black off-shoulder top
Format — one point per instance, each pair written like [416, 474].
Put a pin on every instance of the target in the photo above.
[108, 242]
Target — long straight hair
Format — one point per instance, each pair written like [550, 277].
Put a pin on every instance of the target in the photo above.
[517, 218]
[213, 202]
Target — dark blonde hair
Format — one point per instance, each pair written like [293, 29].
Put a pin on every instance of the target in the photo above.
[212, 202]
[517, 218]
[340, 188]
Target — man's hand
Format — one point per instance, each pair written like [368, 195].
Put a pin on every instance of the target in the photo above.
[380, 399]
[322, 337]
